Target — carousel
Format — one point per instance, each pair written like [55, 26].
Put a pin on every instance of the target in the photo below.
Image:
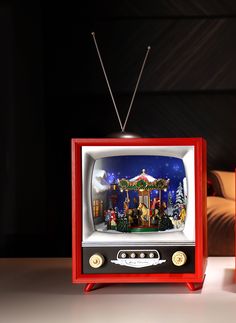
[144, 217]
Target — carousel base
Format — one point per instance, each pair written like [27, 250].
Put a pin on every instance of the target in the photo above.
[143, 229]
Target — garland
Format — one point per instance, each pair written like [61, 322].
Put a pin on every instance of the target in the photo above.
[158, 184]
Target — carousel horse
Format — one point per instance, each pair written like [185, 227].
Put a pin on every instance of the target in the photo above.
[145, 216]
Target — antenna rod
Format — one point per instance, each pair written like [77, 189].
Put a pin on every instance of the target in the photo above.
[108, 84]
[136, 87]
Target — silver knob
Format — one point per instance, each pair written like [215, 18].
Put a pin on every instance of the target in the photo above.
[132, 255]
[123, 255]
[151, 255]
[142, 255]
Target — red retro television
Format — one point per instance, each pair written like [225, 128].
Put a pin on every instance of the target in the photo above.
[139, 211]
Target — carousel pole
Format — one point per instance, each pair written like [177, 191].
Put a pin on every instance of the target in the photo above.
[149, 202]
[127, 197]
[160, 197]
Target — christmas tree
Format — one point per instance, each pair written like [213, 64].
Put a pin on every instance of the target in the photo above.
[179, 199]
[170, 204]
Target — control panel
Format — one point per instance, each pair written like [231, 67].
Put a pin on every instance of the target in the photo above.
[131, 260]
[138, 258]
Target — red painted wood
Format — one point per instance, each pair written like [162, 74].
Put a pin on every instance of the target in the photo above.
[195, 286]
[88, 287]
[76, 211]
[200, 205]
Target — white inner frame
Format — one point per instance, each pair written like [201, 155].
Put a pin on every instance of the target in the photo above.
[91, 237]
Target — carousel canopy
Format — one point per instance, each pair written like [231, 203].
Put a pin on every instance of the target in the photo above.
[143, 182]
[144, 176]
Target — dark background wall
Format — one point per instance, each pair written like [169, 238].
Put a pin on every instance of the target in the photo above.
[52, 89]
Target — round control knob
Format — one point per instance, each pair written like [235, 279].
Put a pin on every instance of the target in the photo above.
[151, 255]
[142, 255]
[132, 255]
[179, 258]
[96, 260]
[123, 255]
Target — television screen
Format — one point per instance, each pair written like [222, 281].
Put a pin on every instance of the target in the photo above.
[134, 192]
[139, 193]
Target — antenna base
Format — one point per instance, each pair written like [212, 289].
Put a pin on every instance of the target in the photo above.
[124, 135]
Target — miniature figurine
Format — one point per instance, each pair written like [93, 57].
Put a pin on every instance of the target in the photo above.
[182, 214]
[113, 224]
[135, 216]
[107, 217]
[155, 203]
[135, 203]
[113, 215]
[162, 209]
[155, 218]
[165, 223]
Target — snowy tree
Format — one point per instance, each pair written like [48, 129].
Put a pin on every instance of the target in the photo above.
[179, 197]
